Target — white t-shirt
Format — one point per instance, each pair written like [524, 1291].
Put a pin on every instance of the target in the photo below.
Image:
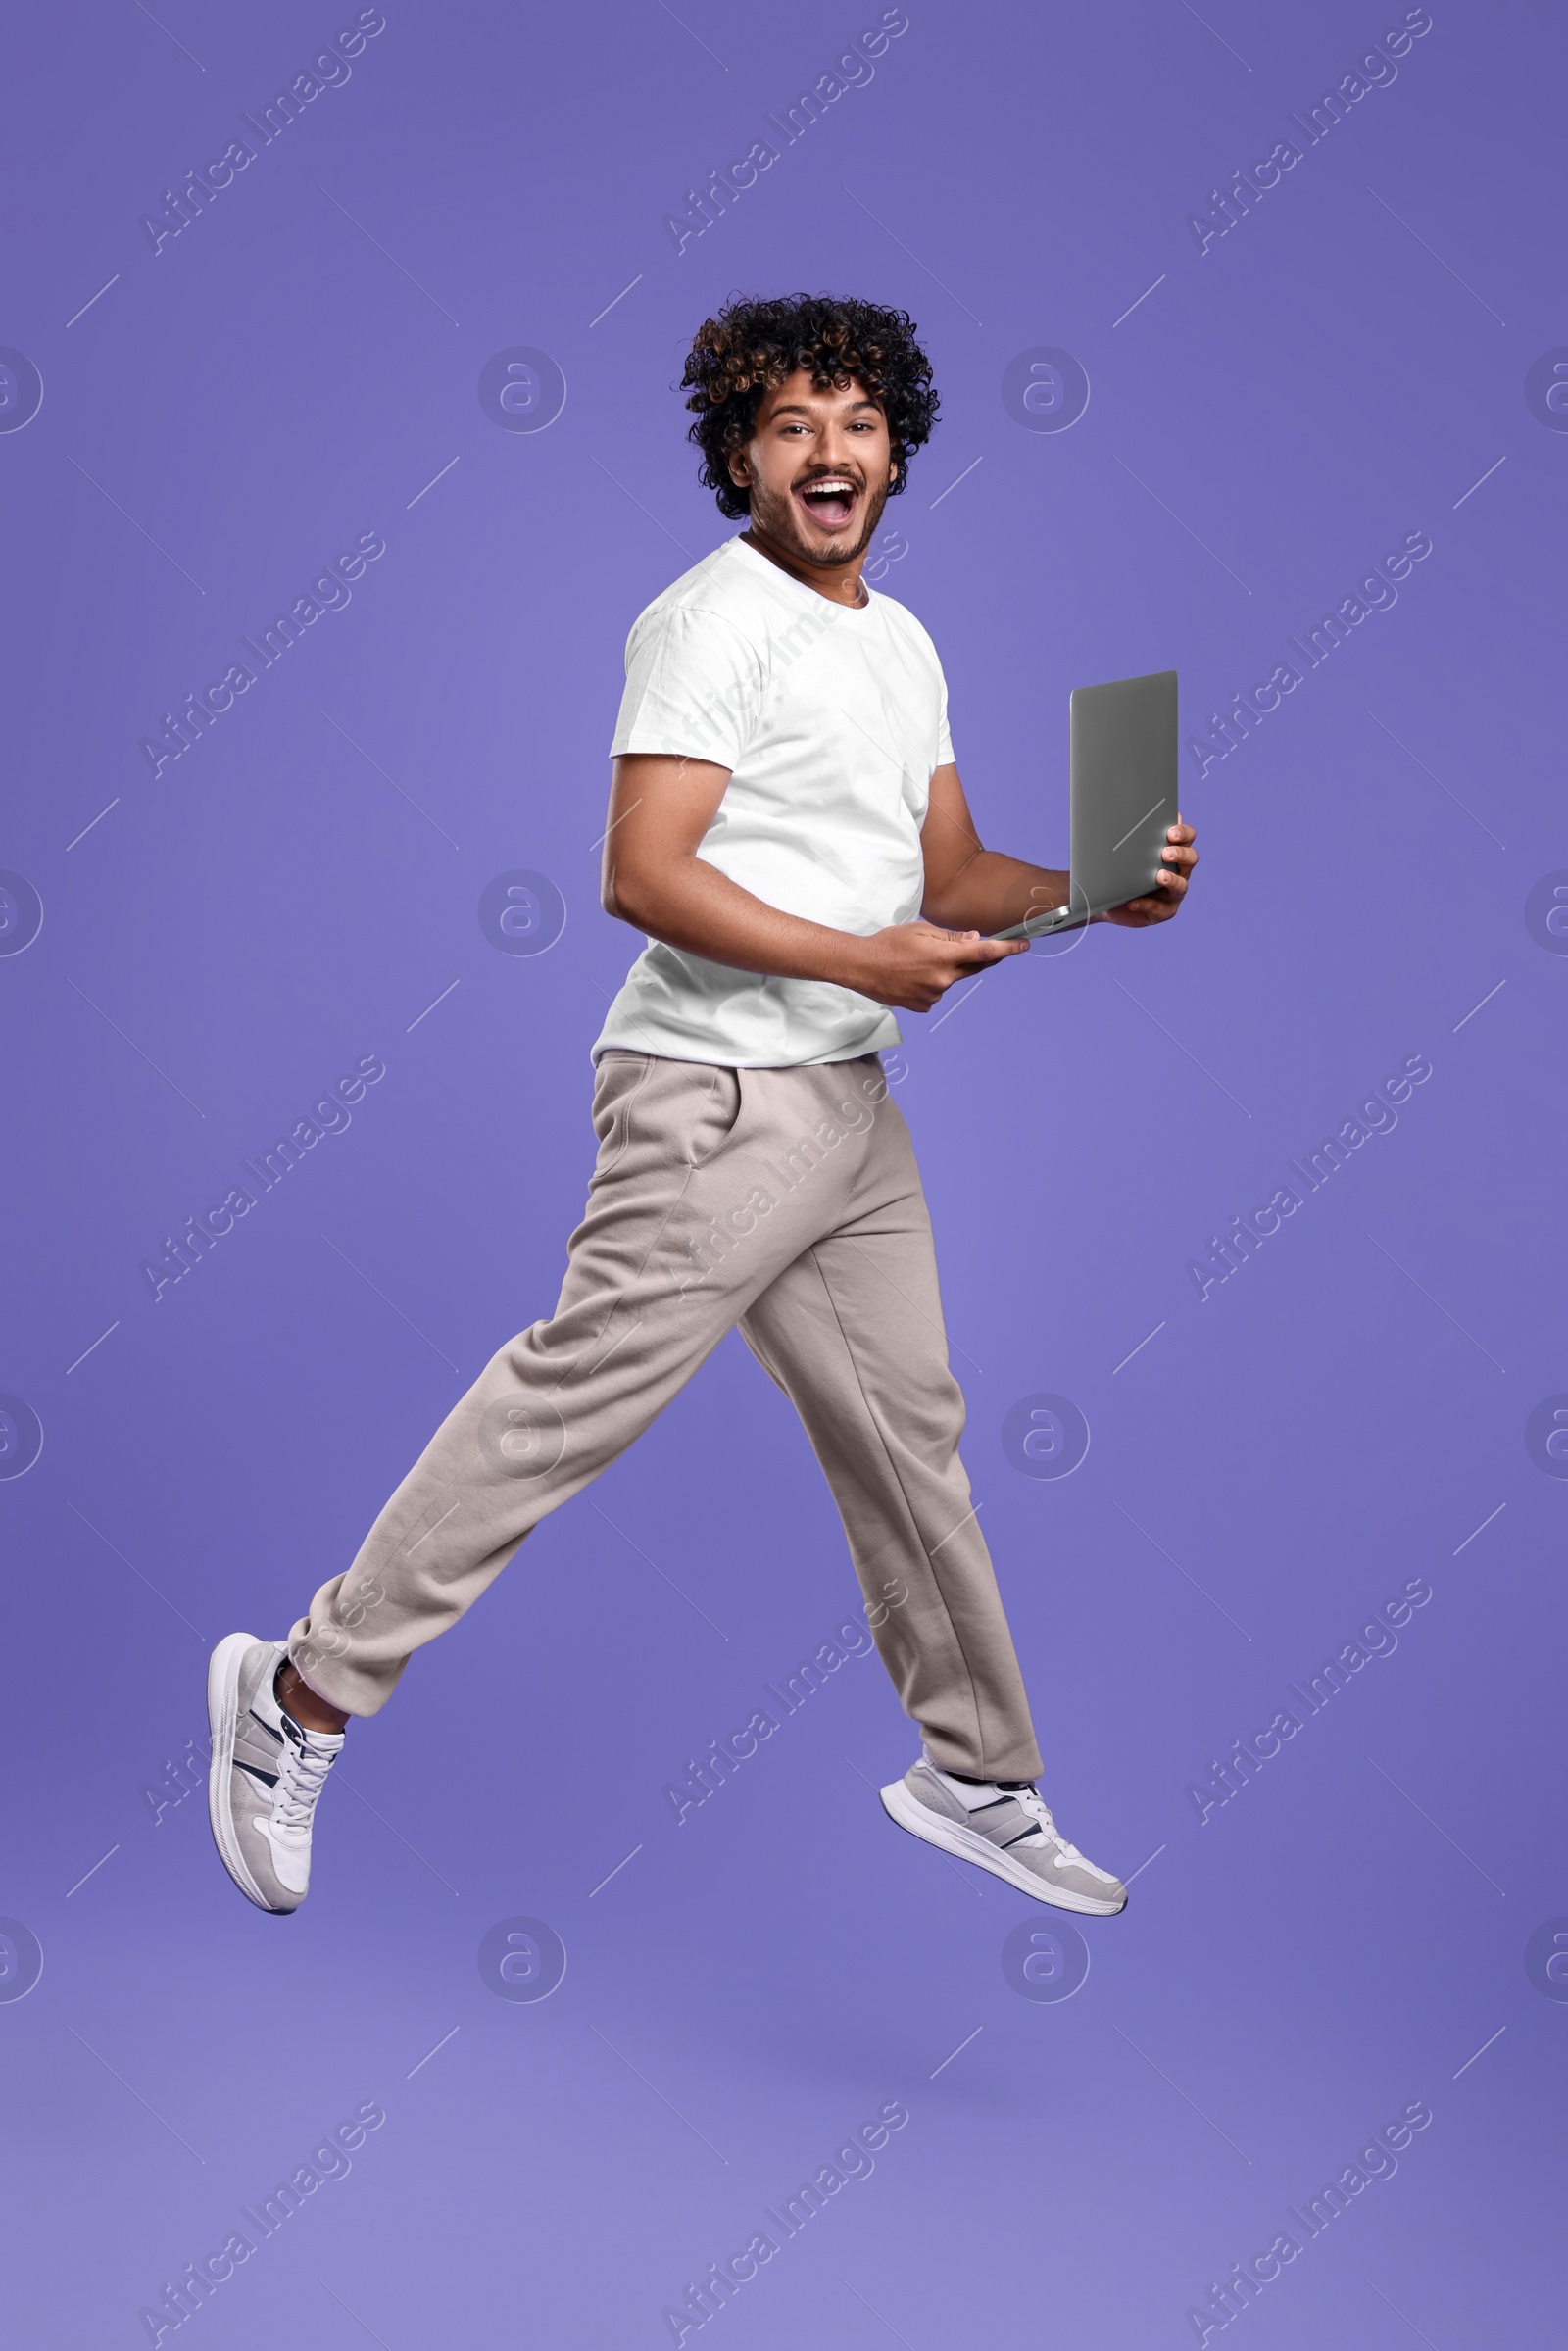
[831, 723]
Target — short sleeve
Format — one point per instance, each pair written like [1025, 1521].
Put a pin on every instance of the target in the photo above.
[944, 739]
[693, 688]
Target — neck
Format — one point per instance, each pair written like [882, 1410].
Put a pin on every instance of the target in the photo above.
[840, 585]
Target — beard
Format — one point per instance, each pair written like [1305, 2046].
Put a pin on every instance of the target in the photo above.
[778, 518]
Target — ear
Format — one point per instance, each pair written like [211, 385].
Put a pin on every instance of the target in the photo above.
[739, 472]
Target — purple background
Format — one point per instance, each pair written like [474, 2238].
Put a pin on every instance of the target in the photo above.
[1271, 417]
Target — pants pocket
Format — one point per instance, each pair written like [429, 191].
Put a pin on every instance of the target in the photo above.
[618, 1078]
[716, 1102]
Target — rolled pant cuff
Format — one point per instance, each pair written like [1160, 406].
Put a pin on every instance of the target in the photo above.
[332, 1682]
[953, 1755]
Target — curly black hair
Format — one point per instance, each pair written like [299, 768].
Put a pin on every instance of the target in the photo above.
[751, 346]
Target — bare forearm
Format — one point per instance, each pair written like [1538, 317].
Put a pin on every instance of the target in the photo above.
[690, 904]
[663, 806]
[990, 892]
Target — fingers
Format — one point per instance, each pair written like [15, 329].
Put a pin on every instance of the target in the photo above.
[970, 953]
[1138, 914]
[1176, 866]
[973, 943]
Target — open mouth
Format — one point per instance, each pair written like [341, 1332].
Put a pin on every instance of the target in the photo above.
[830, 501]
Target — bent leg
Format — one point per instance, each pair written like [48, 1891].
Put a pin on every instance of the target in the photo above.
[853, 1333]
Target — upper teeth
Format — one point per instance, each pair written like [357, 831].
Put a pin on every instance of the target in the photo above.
[841, 487]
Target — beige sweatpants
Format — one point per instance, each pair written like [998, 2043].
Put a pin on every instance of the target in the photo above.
[786, 1201]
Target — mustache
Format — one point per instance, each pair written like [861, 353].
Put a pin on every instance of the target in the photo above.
[830, 473]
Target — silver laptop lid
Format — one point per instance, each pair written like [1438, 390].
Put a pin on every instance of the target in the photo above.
[1123, 787]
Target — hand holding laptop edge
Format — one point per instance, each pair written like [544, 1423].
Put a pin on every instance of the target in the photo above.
[1157, 905]
[1130, 863]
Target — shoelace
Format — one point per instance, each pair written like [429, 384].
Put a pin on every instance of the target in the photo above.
[1040, 1812]
[301, 1777]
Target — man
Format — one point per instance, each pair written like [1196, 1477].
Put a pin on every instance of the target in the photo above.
[788, 828]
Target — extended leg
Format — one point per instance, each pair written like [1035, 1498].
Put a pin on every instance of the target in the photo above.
[708, 1181]
[560, 1401]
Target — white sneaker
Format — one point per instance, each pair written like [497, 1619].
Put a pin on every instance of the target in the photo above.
[266, 1775]
[1005, 1827]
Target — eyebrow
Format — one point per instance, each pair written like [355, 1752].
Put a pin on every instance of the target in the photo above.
[795, 408]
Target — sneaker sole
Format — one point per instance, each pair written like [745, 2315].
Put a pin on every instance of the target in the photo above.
[967, 1845]
[222, 1714]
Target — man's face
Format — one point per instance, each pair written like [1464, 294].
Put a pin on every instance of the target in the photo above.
[818, 467]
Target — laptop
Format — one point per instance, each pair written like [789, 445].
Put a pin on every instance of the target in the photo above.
[1123, 797]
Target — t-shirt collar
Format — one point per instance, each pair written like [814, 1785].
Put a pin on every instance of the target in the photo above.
[855, 612]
